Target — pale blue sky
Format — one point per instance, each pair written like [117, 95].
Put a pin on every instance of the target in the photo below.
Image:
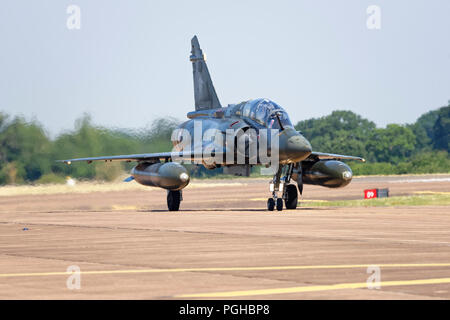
[129, 63]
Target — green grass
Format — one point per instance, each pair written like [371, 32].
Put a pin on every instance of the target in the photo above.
[442, 199]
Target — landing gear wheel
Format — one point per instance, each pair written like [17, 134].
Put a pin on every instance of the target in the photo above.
[173, 200]
[279, 204]
[291, 197]
[270, 204]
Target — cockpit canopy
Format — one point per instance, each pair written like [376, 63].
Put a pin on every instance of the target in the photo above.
[263, 112]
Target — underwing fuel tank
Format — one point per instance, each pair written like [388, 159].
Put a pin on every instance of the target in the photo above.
[170, 175]
[328, 173]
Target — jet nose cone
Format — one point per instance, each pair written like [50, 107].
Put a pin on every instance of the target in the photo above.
[298, 148]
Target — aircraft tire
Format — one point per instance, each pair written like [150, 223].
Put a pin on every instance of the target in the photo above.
[291, 198]
[279, 204]
[270, 204]
[173, 200]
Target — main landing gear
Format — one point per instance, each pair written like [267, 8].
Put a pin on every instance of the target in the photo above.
[173, 200]
[288, 191]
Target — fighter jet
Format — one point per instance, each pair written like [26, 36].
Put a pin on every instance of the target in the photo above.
[291, 157]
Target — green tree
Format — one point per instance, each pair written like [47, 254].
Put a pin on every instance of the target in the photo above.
[427, 121]
[441, 129]
[340, 132]
[24, 149]
[431, 129]
[88, 140]
[156, 138]
[391, 144]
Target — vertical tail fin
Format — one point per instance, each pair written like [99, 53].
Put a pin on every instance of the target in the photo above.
[204, 92]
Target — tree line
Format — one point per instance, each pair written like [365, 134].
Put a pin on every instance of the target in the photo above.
[421, 147]
[28, 154]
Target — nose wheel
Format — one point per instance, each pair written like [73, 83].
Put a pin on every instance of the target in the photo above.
[274, 203]
[279, 204]
[270, 204]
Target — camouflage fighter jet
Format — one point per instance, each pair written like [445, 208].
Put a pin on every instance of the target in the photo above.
[241, 127]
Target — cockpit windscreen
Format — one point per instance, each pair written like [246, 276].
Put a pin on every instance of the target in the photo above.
[264, 112]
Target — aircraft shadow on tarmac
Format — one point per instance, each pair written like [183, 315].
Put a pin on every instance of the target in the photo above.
[232, 210]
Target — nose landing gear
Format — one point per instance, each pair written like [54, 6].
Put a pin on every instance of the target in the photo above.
[288, 191]
[274, 187]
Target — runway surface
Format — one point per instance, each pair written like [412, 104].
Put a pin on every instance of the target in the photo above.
[224, 244]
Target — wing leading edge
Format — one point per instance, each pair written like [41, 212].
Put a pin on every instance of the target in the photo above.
[190, 156]
[321, 155]
[185, 155]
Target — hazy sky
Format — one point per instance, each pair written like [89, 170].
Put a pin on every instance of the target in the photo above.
[129, 62]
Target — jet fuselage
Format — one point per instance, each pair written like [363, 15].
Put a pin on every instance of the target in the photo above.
[258, 114]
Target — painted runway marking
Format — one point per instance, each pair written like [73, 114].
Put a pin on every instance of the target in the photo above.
[420, 180]
[303, 200]
[339, 286]
[432, 192]
[269, 268]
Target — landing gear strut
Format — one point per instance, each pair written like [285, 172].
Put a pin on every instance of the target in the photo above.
[173, 200]
[288, 191]
[274, 188]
